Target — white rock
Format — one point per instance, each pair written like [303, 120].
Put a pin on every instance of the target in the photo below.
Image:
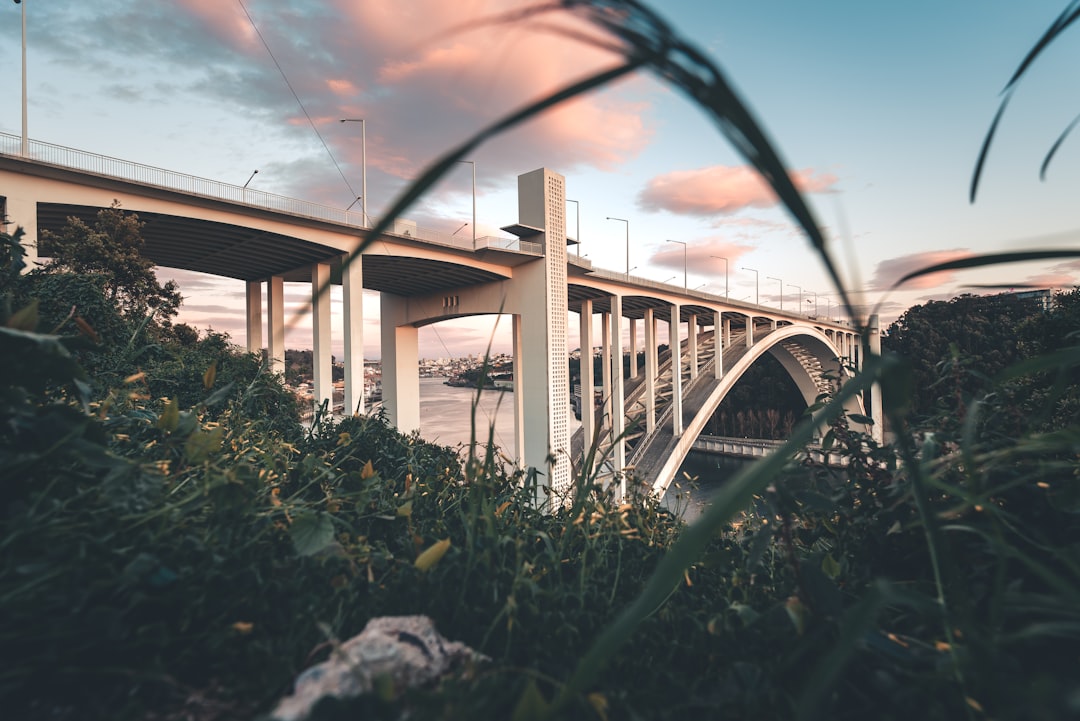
[405, 649]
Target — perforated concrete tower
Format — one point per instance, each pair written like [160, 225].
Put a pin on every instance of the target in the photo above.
[540, 335]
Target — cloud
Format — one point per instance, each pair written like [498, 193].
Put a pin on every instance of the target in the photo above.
[704, 256]
[722, 190]
[889, 271]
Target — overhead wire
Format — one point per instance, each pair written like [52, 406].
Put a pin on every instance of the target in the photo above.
[299, 102]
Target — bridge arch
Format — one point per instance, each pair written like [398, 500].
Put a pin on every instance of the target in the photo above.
[804, 352]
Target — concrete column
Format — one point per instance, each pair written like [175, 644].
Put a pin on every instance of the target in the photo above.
[400, 364]
[633, 348]
[618, 398]
[605, 366]
[520, 370]
[676, 373]
[275, 323]
[749, 331]
[650, 370]
[588, 400]
[352, 312]
[876, 411]
[691, 344]
[718, 346]
[727, 332]
[321, 360]
[21, 211]
[254, 316]
[540, 294]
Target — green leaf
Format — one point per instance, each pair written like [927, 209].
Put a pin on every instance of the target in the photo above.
[201, 444]
[311, 532]
[170, 417]
[531, 706]
[860, 418]
[26, 318]
[830, 567]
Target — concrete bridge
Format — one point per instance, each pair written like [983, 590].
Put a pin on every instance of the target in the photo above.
[647, 421]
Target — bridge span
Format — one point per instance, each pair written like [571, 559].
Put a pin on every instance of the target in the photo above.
[646, 422]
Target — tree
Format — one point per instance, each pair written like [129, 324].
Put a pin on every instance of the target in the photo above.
[111, 249]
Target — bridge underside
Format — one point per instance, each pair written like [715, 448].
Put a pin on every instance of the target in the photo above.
[250, 254]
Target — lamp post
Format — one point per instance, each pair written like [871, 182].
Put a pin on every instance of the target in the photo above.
[621, 220]
[577, 220]
[683, 244]
[253, 174]
[473, 164]
[757, 297]
[725, 273]
[828, 307]
[25, 142]
[792, 285]
[363, 166]
[814, 302]
[769, 277]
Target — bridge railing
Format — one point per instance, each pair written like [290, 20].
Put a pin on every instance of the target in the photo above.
[109, 167]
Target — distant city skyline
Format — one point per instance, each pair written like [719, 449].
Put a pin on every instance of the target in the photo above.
[879, 110]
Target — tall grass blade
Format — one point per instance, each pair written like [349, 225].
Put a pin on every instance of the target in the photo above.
[734, 497]
[980, 261]
[1055, 146]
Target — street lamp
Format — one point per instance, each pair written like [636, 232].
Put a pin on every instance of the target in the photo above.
[352, 204]
[363, 166]
[473, 164]
[828, 307]
[769, 277]
[757, 297]
[25, 142]
[683, 244]
[253, 173]
[670, 279]
[814, 302]
[577, 220]
[725, 273]
[792, 285]
[621, 220]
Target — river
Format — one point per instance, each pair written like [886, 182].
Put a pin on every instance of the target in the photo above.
[444, 418]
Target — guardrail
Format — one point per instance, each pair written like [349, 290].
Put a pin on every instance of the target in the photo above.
[109, 167]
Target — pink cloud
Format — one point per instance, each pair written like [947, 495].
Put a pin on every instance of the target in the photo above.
[889, 271]
[721, 189]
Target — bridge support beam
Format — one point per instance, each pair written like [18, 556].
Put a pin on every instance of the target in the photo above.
[400, 364]
[588, 397]
[876, 412]
[275, 324]
[352, 304]
[321, 360]
[633, 348]
[719, 344]
[651, 370]
[605, 366]
[691, 344]
[519, 390]
[676, 372]
[254, 314]
[618, 399]
[749, 331]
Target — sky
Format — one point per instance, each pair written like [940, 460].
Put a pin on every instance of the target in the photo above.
[878, 109]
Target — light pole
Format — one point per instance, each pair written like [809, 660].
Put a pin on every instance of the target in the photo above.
[756, 286]
[473, 164]
[792, 285]
[769, 277]
[814, 301]
[683, 244]
[577, 220]
[25, 142]
[621, 220]
[363, 166]
[828, 307]
[725, 273]
[253, 174]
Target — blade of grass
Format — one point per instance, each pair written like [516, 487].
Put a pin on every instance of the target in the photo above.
[735, 495]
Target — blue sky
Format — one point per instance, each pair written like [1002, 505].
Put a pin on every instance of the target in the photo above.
[879, 109]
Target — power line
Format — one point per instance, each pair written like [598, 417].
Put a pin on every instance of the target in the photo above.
[296, 97]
